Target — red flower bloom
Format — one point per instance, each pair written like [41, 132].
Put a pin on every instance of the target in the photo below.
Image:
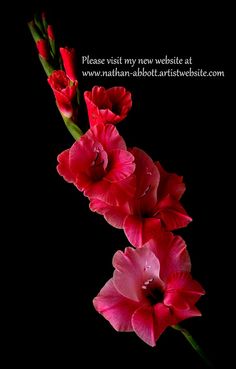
[154, 205]
[99, 165]
[151, 289]
[107, 106]
[65, 92]
[43, 49]
[170, 183]
[68, 57]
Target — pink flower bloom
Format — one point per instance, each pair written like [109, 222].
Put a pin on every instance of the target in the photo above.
[107, 106]
[68, 57]
[43, 49]
[155, 204]
[151, 288]
[100, 165]
[65, 92]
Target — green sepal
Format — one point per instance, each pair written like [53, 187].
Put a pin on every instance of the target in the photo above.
[38, 23]
[53, 47]
[34, 31]
[45, 23]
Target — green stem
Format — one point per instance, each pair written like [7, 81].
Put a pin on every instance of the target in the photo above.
[194, 344]
[74, 130]
[48, 68]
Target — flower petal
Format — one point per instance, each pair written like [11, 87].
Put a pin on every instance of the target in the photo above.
[88, 161]
[93, 112]
[99, 97]
[147, 177]
[143, 323]
[108, 136]
[140, 230]
[108, 117]
[146, 171]
[107, 106]
[132, 269]
[172, 214]
[114, 215]
[63, 166]
[64, 104]
[121, 102]
[133, 228]
[185, 314]
[171, 251]
[115, 194]
[170, 184]
[163, 318]
[114, 307]
[182, 292]
[121, 163]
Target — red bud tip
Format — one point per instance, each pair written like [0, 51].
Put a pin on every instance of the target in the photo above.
[43, 49]
[50, 32]
[68, 57]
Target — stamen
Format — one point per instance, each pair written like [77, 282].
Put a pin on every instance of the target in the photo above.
[145, 192]
[94, 162]
[96, 158]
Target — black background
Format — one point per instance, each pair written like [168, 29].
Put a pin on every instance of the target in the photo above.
[65, 256]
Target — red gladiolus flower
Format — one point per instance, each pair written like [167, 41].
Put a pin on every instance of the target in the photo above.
[68, 57]
[65, 92]
[151, 289]
[43, 50]
[99, 165]
[155, 204]
[107, 106]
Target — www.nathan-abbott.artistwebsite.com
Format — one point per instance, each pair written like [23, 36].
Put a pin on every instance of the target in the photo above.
[145, 67]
